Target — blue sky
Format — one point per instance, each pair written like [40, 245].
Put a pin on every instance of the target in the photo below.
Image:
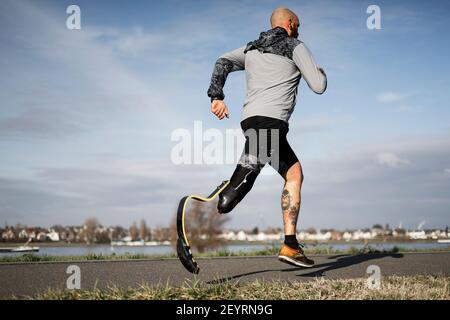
[86, 115]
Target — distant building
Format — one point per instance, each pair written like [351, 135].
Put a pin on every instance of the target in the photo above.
[8, 235]
[399, 233]
[41, 236]
[23, 234]
[230, 235]
[313, 235]
[377, 231]
[336, 235]
[53, 235]
[323, 235]
[364, 234]
[104, 234]
[417, 235]
[347, 236]
[241, 236]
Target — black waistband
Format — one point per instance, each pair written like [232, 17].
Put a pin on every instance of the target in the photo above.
[262, 122]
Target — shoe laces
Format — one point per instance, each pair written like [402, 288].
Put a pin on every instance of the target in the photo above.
[301, 246]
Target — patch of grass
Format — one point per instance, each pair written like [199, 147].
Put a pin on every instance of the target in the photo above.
[392, 287]
[32, 257]
[269, 251]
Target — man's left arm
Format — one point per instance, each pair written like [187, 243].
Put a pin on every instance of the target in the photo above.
[228, 62]
[314, 76]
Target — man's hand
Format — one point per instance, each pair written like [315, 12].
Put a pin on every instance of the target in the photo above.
[219, 108]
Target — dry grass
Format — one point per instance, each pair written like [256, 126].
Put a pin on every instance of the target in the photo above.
[392, 287]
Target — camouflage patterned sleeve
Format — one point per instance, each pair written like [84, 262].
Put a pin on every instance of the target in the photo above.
[228, 62]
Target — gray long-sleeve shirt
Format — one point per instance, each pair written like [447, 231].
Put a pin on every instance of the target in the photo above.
[273, 72]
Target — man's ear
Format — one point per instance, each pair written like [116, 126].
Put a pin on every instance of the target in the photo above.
[291, 24]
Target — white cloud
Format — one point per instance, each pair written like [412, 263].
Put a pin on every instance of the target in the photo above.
[136, 41]
[321, 122]
[390, 159]
[88, 82]
[389, 97]
[406, 109]
[447, 171]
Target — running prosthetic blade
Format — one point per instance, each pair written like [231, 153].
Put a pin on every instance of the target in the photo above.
[183, 249]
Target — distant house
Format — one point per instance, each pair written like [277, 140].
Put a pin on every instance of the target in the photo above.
[436, 234]
[23, 234]
[364, 234]
[70, 236]
[336, 235]
[324, 235]
[399, 233]
[417, 235]
[41, 236]
[377, 231]
[274, 236]
[230, 235]
[53, 235]
[301, 235]
[241, 236]
[251, 237]
[8, 235]
[347, 236]
[313, 235]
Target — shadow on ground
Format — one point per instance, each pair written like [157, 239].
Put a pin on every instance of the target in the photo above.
[230, 278]
[341, 261]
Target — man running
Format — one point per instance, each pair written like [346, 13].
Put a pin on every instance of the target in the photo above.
[274, 65]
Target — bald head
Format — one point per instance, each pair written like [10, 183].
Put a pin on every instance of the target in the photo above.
[285, 18]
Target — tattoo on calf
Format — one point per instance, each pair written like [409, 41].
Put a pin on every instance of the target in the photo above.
[293, 213]
[285, 200]
[290, 211]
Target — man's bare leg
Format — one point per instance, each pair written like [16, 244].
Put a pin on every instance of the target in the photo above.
[291, 198]
[291, 252]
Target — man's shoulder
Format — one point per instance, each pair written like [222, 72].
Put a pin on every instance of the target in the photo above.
[284, 47]
[293, 41]
[287, 46]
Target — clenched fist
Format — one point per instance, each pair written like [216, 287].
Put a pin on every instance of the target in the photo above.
[219, 108]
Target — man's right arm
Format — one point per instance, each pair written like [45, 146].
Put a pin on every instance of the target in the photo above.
[315, 77]
[228, 62]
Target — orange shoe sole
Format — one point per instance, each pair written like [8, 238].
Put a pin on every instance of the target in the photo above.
[296, 263]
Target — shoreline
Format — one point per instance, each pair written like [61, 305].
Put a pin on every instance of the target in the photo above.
[267, 243]
[35, 258]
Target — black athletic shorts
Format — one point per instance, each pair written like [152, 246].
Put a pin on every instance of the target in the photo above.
[281, 156]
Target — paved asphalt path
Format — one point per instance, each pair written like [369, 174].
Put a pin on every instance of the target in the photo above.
[28, 279]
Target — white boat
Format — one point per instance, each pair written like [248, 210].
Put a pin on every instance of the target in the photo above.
[443, 241]
[21, 249]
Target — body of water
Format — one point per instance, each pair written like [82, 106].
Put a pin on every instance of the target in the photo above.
[156, 250]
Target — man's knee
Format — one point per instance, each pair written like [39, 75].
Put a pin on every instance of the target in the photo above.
[295, 174]
[240, 184]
